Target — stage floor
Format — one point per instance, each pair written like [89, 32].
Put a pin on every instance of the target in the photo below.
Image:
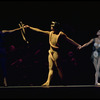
[53, 86]
[69, 91]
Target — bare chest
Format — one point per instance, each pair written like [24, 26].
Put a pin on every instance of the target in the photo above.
[54, 38]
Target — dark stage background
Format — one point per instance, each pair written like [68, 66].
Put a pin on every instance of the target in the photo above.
[28, 65]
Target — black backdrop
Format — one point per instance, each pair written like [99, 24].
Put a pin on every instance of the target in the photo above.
[80, 21]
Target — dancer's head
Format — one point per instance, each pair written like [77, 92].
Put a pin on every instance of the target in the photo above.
[55, 26]
[98, 33]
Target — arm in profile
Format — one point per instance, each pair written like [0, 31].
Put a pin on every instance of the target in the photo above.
[86, 44]
[10, 31]
[37, 29]
[70, 40]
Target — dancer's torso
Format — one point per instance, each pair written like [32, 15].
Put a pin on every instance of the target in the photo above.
[96, 46]
[2, 44]
[2, 47]
[53, 41]
[54, 45]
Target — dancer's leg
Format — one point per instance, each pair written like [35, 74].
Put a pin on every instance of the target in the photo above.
[3, 65]
[57, 63]
[95, 62]
[50, 73]
[97, 71]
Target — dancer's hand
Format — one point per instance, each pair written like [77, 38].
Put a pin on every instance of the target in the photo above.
[79, 47]
[4, 31]
[26, 26]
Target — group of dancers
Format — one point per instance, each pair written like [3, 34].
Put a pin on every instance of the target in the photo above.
[55, 35]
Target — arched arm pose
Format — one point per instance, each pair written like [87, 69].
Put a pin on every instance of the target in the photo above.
[53, 57]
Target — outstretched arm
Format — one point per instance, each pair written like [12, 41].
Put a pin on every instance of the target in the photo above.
[71, 41]
[86, 44]
[4, 31]
[37, 29]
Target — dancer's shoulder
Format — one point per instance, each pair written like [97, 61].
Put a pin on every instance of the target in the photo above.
[62, 33]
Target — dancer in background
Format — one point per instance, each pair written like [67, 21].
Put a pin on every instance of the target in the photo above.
[95, 54]
[3, 53]
[54, 40]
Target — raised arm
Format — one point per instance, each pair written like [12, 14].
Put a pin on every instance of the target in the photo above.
[37, 29]
[86, 44]
[70, 40]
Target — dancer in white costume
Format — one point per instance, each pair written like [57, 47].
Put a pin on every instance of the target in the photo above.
[95, 54]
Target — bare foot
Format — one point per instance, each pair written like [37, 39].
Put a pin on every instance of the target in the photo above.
[46, 84]
[98, 83]
[5, 82]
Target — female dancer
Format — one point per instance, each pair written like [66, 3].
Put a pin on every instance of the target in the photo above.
[53, 57]
[3, 53]
[95, 54]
